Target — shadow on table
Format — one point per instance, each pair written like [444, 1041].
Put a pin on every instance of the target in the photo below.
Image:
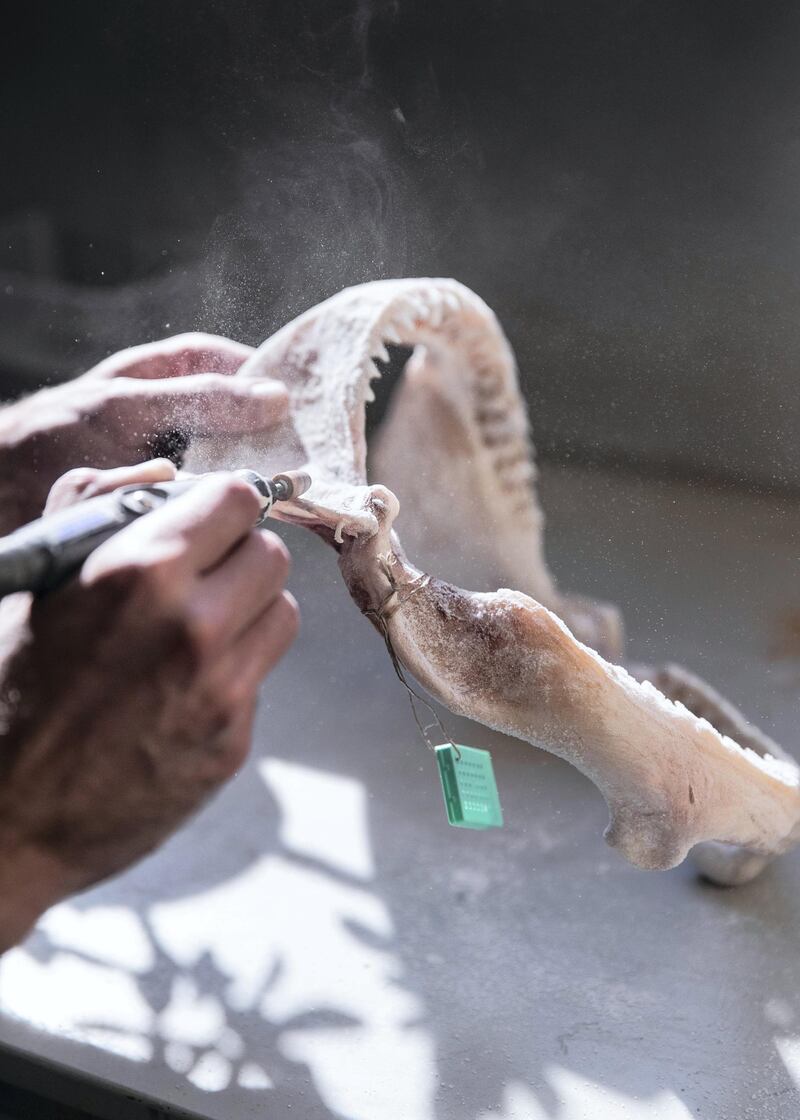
[525, 994]
[320, 940]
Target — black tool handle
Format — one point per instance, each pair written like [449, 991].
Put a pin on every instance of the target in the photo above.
[43, 554]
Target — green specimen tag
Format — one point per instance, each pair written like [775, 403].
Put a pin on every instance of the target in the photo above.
[470, 791]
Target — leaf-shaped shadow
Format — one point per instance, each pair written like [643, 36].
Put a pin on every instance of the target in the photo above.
[369, 937]
[320, 1018]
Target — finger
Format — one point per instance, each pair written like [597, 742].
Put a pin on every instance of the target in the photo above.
[199, 527]
[259, 648]
[236, 677]
[207, 403]
[241, 586]
[87, 482]
[179, 356]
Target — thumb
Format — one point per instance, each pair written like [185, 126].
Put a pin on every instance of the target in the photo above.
[87, 482]
[206, 404]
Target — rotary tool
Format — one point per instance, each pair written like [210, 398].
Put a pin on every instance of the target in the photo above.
[43, 554]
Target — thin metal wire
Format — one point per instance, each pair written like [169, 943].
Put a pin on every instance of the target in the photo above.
[380, 616]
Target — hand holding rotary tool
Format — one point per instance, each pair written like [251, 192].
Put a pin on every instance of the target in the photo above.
[128, 694]
[41, 555]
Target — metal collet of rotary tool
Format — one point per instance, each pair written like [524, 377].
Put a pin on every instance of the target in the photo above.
[43, 554]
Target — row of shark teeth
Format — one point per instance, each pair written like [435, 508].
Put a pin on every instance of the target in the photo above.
[409, 311]
[499, 412]
[399, 323]
[500, 417]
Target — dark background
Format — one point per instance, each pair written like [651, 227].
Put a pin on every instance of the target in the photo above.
[619, 180]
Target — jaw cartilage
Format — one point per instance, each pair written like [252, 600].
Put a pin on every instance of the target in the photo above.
[469, 787]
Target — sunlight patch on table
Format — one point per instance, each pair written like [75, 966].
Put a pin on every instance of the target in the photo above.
[789, 1050]
[293, 960]
[73, 997]
[581, 1099]
[322, 815]
[111, 934]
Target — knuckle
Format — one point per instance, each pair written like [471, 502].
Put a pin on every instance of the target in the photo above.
[159, 578]
[75, 482]
[240, 496]
[205, 705]
[155, 584]
[228, 736]
[240, 693]
[276, 554]
[218, 711]
[211, 721]
[201, 633]
[79, 476]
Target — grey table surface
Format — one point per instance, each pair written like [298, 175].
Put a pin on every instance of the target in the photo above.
[320, 944]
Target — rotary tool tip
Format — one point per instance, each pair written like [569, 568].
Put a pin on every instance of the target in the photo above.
[295, 483]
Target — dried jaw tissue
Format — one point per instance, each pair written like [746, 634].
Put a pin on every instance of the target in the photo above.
[678, 766]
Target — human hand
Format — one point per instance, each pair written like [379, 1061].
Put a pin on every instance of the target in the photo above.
[146, 401]
[127, 696]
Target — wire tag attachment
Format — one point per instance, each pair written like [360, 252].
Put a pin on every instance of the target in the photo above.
[469, 787]
[466, 773]
[387, 608]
